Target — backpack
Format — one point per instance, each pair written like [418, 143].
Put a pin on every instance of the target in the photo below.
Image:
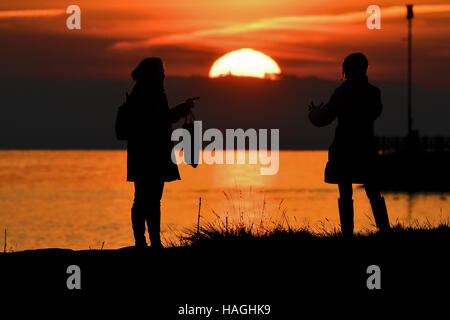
[122, 125]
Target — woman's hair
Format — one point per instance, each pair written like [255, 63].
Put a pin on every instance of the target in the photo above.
[149, 68]
[355, 66]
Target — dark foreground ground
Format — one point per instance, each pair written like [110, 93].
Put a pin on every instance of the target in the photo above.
[291, 272]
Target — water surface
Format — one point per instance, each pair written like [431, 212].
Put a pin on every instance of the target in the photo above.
[80, 199]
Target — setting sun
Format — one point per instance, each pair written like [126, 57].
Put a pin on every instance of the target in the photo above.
[246, 63]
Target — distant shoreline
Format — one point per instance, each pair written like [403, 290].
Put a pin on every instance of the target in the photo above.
[120, 149]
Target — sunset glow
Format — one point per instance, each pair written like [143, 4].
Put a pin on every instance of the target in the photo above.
[304, 38]
[246, 63]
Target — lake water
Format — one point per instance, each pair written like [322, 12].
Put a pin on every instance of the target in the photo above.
[80, 199]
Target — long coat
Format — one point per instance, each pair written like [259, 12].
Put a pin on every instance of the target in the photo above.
[352, 156]
[149, 145]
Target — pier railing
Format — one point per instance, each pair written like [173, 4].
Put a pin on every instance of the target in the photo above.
[417, 144]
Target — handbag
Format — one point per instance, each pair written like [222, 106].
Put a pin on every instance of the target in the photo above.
[331, 172]
[189, 126]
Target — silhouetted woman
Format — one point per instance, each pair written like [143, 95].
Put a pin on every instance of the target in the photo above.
[149, 161]
[353, 154]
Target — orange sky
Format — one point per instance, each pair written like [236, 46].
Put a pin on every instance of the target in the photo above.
[304, 37]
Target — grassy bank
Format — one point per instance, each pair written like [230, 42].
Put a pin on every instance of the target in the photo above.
[215, 261]
[240, 235]
[220, 233]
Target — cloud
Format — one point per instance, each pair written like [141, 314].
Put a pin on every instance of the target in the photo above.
[30, 13]
[321, 22]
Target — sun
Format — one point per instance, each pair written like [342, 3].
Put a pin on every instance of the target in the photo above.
[245, 63]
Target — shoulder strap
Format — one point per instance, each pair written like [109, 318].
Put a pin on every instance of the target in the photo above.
[191, 117]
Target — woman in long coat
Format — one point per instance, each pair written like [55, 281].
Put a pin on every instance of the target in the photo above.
[149, 162]
[352, 157]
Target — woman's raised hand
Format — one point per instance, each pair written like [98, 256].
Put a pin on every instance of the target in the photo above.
[190, 103]
[184, 108]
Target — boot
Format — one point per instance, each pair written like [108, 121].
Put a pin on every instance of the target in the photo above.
[155, 240]
[380, 214]
[346, 217]
[138, 224]
[154, 225]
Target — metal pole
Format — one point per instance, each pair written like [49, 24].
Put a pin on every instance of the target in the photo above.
[409, 16]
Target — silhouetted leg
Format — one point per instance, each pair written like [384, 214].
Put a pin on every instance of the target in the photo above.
[138, 217]
[378, 207]
[153, 214]
[154, 224]
[346, 209]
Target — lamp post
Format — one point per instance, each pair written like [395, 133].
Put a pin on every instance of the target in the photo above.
[410, 15]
